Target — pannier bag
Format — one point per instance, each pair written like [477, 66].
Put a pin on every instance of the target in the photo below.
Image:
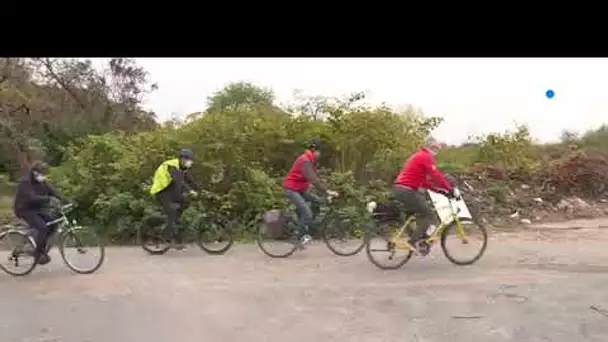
[275, 223]
[387, 212]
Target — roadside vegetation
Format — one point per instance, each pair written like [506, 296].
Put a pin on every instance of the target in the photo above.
[90, 126]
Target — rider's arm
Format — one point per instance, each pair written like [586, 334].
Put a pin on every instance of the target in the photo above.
[181, 179]
[54, 193]
[191, 183]
[309, 172]
[178, 177]
[29, 197]
[436, 176]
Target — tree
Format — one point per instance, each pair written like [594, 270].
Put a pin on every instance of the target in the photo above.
[48, 102]
[568, 136]
[240, 96]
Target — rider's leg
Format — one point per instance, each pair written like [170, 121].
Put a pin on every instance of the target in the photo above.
[37, 222]
[50, 230]
[181, 207]
[312, 197]
[170, 209]
[305, 217]
[415, 203]
[315, 201]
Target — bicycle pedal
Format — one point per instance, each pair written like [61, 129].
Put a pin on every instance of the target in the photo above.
[424, 249]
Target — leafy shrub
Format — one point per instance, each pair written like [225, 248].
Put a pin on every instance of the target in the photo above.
[243, 152]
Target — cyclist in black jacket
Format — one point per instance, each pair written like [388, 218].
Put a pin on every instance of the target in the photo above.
[33, 194]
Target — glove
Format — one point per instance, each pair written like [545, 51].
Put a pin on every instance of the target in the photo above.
[446, 193]
[331, 194]
[453, 195]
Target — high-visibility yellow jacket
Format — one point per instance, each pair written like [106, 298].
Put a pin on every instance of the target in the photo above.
[162, 177]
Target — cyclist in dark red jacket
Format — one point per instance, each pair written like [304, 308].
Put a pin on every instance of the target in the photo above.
[297, 188]
[420, 172]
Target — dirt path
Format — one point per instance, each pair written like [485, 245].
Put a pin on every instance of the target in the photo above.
[546, 285]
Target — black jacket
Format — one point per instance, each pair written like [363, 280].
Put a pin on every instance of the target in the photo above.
[32, 195]
[181, 181]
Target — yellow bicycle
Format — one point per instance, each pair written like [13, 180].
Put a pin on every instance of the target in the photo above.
[396, 239]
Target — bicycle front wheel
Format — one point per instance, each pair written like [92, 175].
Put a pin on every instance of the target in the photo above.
[342, 236]
[212, 237]
[82, 250]
[17, 253]
[464, 242]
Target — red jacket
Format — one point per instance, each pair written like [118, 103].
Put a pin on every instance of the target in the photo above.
[295, 179]
[420, 171]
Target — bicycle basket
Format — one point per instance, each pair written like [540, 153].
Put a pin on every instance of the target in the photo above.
[275, 223]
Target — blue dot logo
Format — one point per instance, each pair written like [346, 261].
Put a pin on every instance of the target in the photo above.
[550, 94]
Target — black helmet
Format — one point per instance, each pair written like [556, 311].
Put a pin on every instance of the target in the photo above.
[315, 144]
[40, 167]
[186, 153]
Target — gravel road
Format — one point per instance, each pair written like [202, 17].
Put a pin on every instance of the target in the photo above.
[540, 285]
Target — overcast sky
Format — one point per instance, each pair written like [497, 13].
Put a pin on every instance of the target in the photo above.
[474, 95]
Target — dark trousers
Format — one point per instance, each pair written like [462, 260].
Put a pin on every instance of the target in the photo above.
[415, 203]
[305, 214]
[37, 221]
[173, 208]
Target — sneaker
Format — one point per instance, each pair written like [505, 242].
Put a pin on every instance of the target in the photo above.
[43, 259]
[305, 239]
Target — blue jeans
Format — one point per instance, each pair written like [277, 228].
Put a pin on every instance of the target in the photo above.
[300, 199]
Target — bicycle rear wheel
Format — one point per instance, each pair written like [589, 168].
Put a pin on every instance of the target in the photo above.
[151, 235]
[212, 237]
[278, 245]
[80, 241]
[382, 251]
[469, 234]
[17, 253]
[342, 236]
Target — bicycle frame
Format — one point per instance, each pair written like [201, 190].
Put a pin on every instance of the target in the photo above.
[320, 216]
[62, 219]
[436, 235]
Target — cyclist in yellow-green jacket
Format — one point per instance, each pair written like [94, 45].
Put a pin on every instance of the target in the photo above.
[170, 181]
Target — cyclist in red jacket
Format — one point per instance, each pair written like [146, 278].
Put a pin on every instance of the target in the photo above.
[420, 172]
[297, 188]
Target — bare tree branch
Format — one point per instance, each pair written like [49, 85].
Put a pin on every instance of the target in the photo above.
[48, 64]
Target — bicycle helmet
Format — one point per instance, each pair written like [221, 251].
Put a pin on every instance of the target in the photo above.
[186, 153]
[40, 167]
[315, 144]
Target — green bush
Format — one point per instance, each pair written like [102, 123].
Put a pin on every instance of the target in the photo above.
[89, 125]
[243, 152]
[241, 156]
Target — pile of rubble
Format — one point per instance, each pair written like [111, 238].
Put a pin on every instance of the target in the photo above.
[575, 187]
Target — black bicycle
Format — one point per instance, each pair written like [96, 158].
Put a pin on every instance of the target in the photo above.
[277, 236]
[18, 240]
[211, 231]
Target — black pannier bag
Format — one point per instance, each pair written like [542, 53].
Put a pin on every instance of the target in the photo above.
[387, 212]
